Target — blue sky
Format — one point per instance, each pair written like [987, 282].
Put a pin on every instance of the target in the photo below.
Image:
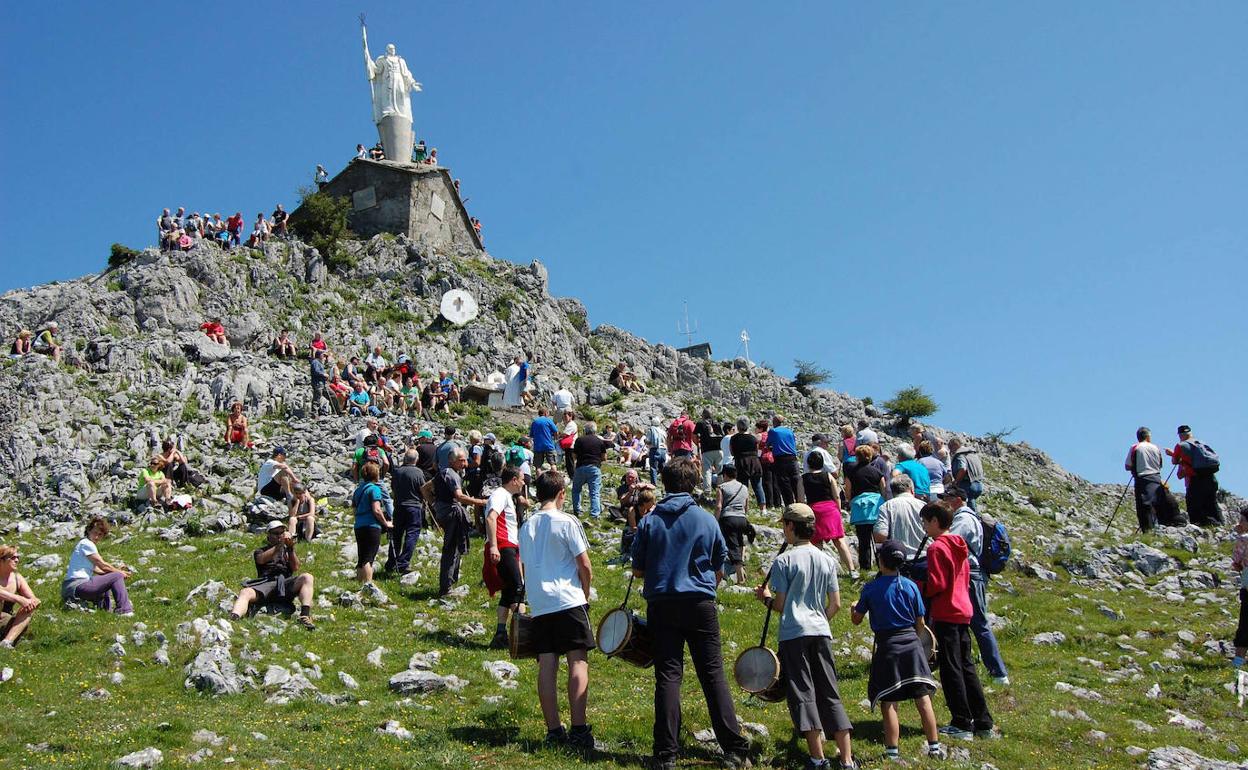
[1035, 211]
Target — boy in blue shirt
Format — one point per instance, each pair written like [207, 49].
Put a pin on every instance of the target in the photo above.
[899, 667]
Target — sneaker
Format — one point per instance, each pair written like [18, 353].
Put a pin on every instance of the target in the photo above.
[818, 764]
[5, 644]
[307, 622]
[581, 738]
[736, 762]
[937, 752]
[126, 614]
[1237, 662]
[853, 765]
[1003, 681]
[556, 737]
[957, 732]
[991, 734]
[500, 642]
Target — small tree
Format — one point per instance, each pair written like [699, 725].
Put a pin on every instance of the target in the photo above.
[120, 255]
[322, 222]
[809, 374]
[911, 402]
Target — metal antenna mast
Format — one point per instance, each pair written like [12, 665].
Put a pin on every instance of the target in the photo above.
[687, 330]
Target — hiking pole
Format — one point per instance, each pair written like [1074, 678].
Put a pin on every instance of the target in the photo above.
[1113, 515]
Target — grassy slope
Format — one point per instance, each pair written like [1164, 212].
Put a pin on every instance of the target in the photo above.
[68, 654]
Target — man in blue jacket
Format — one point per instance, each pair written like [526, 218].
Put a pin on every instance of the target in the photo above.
[680, 553]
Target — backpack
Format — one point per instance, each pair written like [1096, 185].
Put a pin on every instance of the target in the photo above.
[996, 550]
[680, 430]
[1202, 455]
[515, 456]
[491, 461]
[371, 454]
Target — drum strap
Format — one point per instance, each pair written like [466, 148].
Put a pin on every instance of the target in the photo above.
[767, 621]
[628, 592]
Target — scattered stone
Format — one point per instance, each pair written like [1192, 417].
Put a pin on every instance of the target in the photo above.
[470, 629]
[424, 661]
[117, 677]
[6, 673]
[296, 686]
[47, 561]
[1097, 735]
[1135, 751]
[97, 693]
[398, 731]
[755, 729]
[1049, 638]
[161, 656]
[1110, 612]
[1069, 713]
[1180, 758]
[410, 579]
[1154, 692]
[348, 681]
[1037, 571]
[1187, 636]
[276, 676]
[1182, 720]
[208, 737]
[415, 682]
[504, 672]
[374, 657]
[373, 596]
[1143, 727]
[1078, 692]
[213, 671]
[149, 757]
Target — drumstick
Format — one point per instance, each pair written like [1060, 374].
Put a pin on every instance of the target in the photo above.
[766, 580]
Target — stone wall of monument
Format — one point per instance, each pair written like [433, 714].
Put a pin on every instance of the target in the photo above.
[399, 198]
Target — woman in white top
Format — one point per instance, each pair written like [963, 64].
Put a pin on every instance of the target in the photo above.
[567, 437]
[91, 579]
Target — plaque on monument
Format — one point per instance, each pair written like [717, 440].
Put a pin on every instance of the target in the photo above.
[436, 206]
[364, 199]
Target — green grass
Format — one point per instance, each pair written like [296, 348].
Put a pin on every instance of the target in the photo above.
[67, 654]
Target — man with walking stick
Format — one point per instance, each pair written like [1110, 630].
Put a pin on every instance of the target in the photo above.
[1144, 463]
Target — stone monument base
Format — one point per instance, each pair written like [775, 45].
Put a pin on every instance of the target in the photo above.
[415, 200]
[396, 138]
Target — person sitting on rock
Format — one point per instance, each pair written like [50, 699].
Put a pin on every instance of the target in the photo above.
[176, 469]
[276, 579]
[215, 331]
[339, 390]
[360, 402]
[433, 398]
[23, 344]
[46, 342]
[318, 343]
[17, 602]
[279, 221]
[351, 371]
[276, 479]
[360, 152]
[237, 433]
[392, 386]
[624, 380]
[380, 396]
[371, 452]
[377, 153]
[410, 396]
[154, 489]
[450, 391]
[432, 160]
[301, 513]
[284, 346]
[90, 579]
[374, 364]
[235, 226]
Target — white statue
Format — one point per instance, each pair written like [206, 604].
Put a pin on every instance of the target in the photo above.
[391, 83]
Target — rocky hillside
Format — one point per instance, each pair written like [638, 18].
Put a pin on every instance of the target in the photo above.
[1097, 628]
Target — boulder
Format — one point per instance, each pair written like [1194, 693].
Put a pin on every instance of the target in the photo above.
[149, 757]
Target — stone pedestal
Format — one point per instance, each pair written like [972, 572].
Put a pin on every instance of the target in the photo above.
[396, 138]
[418, 201]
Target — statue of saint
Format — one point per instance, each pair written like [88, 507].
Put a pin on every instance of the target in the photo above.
[391, 83]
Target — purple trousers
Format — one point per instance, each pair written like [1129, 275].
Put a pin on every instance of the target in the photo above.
[108, 591]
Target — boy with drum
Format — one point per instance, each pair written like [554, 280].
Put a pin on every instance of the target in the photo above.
[557, 573]
[803, 580]
[899, 667]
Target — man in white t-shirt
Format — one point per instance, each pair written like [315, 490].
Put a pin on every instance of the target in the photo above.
[502, 538]
[819, 445]
[1144, 463]
[276, 478]
[899, 517]
[865, 435]
[376, 364]
[562, 399]
[556, 558]
[369, 429]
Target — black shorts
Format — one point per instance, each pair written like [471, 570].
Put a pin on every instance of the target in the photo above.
[736, 531]
[509, 573]
[563, 631]
[273, 490]
[367, 544]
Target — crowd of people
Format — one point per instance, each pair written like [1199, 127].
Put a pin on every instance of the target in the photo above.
[179, 232]
[914, 508]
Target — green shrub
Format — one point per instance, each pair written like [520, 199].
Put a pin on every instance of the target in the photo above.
[867, 401]
[322, 222]
[809, 374]
[911, 402]
[190, 409]
[120, 255]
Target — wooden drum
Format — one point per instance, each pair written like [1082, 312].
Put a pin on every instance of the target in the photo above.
[757, 671]
[521, 636]
[623, 634]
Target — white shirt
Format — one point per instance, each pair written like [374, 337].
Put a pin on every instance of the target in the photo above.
[867, 436]
[502, 503]
[829, 462]
[550, 541]
[1148, 459]
[80, 565]
[360, 435]
[725, 451]
[268, 469]
[375, 361]
[562, 399]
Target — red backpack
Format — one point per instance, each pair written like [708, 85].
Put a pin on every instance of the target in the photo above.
[680, 431]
